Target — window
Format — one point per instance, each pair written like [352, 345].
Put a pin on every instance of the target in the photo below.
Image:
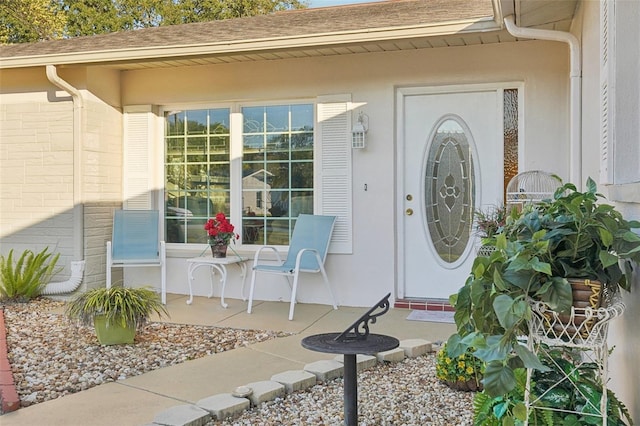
[277, 171]
[197, 171]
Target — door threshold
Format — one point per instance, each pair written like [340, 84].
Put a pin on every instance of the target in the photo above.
[424, 304]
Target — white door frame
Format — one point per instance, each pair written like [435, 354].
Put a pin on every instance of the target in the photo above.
[401, 92]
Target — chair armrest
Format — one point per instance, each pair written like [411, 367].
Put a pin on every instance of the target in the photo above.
[310, 250]
[256, 257]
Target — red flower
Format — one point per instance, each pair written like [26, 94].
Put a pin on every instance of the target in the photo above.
[220, 230]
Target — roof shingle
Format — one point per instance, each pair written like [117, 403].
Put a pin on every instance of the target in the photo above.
[345, 20]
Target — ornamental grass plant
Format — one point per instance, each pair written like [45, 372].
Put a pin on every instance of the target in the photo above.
[119, 305]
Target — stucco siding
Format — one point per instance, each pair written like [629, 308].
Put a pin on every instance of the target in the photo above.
[371, 79]
[624, 368]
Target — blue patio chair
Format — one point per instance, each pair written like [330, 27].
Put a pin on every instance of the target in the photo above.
[307, 253]
[136, 243]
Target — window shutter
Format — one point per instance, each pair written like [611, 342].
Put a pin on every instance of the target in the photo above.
[333, 172]
[137, 168]
[607, 90]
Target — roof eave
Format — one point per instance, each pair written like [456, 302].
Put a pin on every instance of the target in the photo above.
[256, 45]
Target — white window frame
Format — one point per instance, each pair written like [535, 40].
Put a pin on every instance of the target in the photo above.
[332, 163]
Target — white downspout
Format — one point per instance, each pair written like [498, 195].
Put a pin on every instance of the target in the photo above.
[77, 267]
[575, 75]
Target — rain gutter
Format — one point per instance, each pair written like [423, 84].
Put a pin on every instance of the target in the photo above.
[575, 95]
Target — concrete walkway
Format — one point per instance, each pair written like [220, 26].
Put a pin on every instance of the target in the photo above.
[137, 400]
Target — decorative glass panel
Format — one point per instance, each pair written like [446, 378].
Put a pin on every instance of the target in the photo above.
[510, 135]
[449, 190]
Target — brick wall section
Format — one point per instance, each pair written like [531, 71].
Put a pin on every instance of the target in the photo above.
[102, 185]
[36, 175]
[36, 178]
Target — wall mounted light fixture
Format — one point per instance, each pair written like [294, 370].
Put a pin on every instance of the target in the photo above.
[359, 131]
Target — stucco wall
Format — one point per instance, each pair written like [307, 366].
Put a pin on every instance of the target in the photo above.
[371, 79]
[624, 363]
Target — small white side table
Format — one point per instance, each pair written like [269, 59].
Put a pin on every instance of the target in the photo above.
[216, 264]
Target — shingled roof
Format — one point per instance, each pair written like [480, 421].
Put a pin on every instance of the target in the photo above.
[290, 28]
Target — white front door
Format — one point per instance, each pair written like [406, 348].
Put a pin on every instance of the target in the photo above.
[451, 160]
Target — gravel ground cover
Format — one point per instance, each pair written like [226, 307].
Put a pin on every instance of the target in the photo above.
[51, 357]
[405, 393]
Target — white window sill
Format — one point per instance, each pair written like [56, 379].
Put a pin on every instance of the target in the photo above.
[188, 251]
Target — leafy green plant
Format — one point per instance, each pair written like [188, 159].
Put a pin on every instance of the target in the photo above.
[492, 308]
[538, 249]
[587, 239]
[463, 371]
[25, 278]
[507, 409]
[575, 387]
[119, 305]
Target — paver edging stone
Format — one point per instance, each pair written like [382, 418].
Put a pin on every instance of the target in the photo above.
[9, 398]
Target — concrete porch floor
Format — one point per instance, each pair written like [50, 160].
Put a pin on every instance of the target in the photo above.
[136, 400]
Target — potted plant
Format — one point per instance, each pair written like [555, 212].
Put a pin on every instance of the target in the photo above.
[463, 372]
[489, 222]
[571, 235]
[220, 233]
[115, 312]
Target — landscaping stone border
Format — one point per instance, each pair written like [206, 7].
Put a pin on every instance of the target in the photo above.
[222, 406]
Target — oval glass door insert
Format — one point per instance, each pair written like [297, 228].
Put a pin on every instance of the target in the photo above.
[449, 190]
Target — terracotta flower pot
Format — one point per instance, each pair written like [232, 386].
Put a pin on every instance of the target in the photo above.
[465, 385]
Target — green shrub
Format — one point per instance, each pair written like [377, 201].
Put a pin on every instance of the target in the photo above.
[25, 279]
[124, 306]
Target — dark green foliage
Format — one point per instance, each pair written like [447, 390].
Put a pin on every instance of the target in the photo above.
[573, 385]
[25, 278]
[120, 305]
[570, 236]
[508, 409]
[587, 239]
[23, 21]
[580, 393]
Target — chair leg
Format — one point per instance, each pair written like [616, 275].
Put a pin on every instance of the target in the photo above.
[294, 290]
[108, 264]
[288, 278]
[326, 281]
[163, 289]
[253, 284]
[163, 268]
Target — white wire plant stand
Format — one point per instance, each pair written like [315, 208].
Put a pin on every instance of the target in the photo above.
[583, 330]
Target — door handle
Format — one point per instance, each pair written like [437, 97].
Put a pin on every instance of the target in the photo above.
[409, 212]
